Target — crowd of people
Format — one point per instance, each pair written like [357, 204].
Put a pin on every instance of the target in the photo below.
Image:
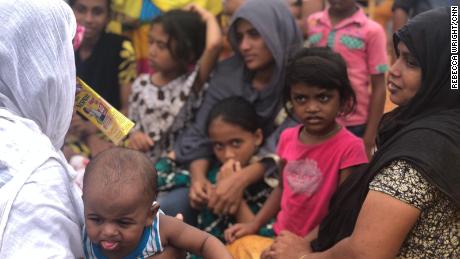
[259, 132]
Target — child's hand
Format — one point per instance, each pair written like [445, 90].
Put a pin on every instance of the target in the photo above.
[239, 230]
[199, 193]
[140, 141]
[230, 167]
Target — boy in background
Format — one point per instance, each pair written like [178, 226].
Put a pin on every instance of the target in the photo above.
[346, 29]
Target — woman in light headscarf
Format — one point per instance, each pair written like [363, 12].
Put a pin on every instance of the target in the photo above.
[40, 210]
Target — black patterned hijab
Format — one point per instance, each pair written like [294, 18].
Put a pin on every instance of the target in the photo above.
[425, 132]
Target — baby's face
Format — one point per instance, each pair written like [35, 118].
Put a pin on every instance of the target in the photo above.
[115, 220]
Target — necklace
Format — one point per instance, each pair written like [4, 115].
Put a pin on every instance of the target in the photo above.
[305, 135]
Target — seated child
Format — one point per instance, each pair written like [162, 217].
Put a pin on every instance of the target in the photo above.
[235, 132]
[121, 218]
[319, 153]
[183, 48]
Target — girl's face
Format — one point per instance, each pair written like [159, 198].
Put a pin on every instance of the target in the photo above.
[93, 15]
[252, 47]
[233, 142]
[160, 57]
[315, 107]
[405, 77]
[116, 220]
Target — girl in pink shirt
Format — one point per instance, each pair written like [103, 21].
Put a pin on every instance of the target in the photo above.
[319, 153]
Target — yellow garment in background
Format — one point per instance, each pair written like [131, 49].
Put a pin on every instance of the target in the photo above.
[128, 12]
[214, 6]
[249, 247]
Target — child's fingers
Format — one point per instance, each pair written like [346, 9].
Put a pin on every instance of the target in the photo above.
[237, 166]
[229, 233]
[180, 217]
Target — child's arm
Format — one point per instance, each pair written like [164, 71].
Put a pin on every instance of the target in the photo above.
[200, 185]
[180, 235]
[213, 45]
[244, 213]
[376, 105]
[268, 211]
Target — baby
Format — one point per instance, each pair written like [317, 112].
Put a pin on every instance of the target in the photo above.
[121, 218]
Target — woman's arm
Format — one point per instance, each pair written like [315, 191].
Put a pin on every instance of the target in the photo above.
[229, 191]
[380, 230]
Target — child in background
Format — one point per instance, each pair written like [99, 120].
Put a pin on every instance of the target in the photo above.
[319, 153]
[121, 218]
[163, 103]
[235, 133]
[345, 28]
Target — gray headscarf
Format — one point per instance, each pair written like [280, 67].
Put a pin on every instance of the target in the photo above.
[37, 67]
[273, 20]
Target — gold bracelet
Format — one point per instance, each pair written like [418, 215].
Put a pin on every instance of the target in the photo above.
[303, 256]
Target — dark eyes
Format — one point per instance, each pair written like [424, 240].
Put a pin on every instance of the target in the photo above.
[412, 62]
[218, 146]
[300, 98]
[253, 33]
[322, 98]
[123, 222]
[235, 143]
[95, 220]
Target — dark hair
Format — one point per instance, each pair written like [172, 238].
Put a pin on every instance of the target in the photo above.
[320, 67]
[108, 2]
[188, 32]
[117, 165]
[237, 111]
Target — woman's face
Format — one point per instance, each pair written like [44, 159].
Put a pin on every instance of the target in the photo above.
[252, 47]
[405, 77]
[93, 15]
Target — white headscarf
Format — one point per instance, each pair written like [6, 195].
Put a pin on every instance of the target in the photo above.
[37, 67]
[37, 91]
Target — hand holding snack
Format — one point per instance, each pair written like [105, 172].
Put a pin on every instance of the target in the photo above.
[97, 110]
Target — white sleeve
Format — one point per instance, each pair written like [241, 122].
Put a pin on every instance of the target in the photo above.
[46, 218]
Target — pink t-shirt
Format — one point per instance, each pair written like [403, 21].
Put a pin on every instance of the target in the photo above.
[311, 177]
[362, 44]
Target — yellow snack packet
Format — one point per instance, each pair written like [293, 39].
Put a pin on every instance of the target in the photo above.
[97, 110]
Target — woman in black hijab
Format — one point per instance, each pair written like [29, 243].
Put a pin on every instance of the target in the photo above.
[406, 202]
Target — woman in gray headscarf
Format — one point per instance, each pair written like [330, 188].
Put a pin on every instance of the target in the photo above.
[40, 210]
[262, 34]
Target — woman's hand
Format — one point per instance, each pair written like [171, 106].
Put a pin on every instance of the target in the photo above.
[138, 140]
[287, 245]
[240, 230]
